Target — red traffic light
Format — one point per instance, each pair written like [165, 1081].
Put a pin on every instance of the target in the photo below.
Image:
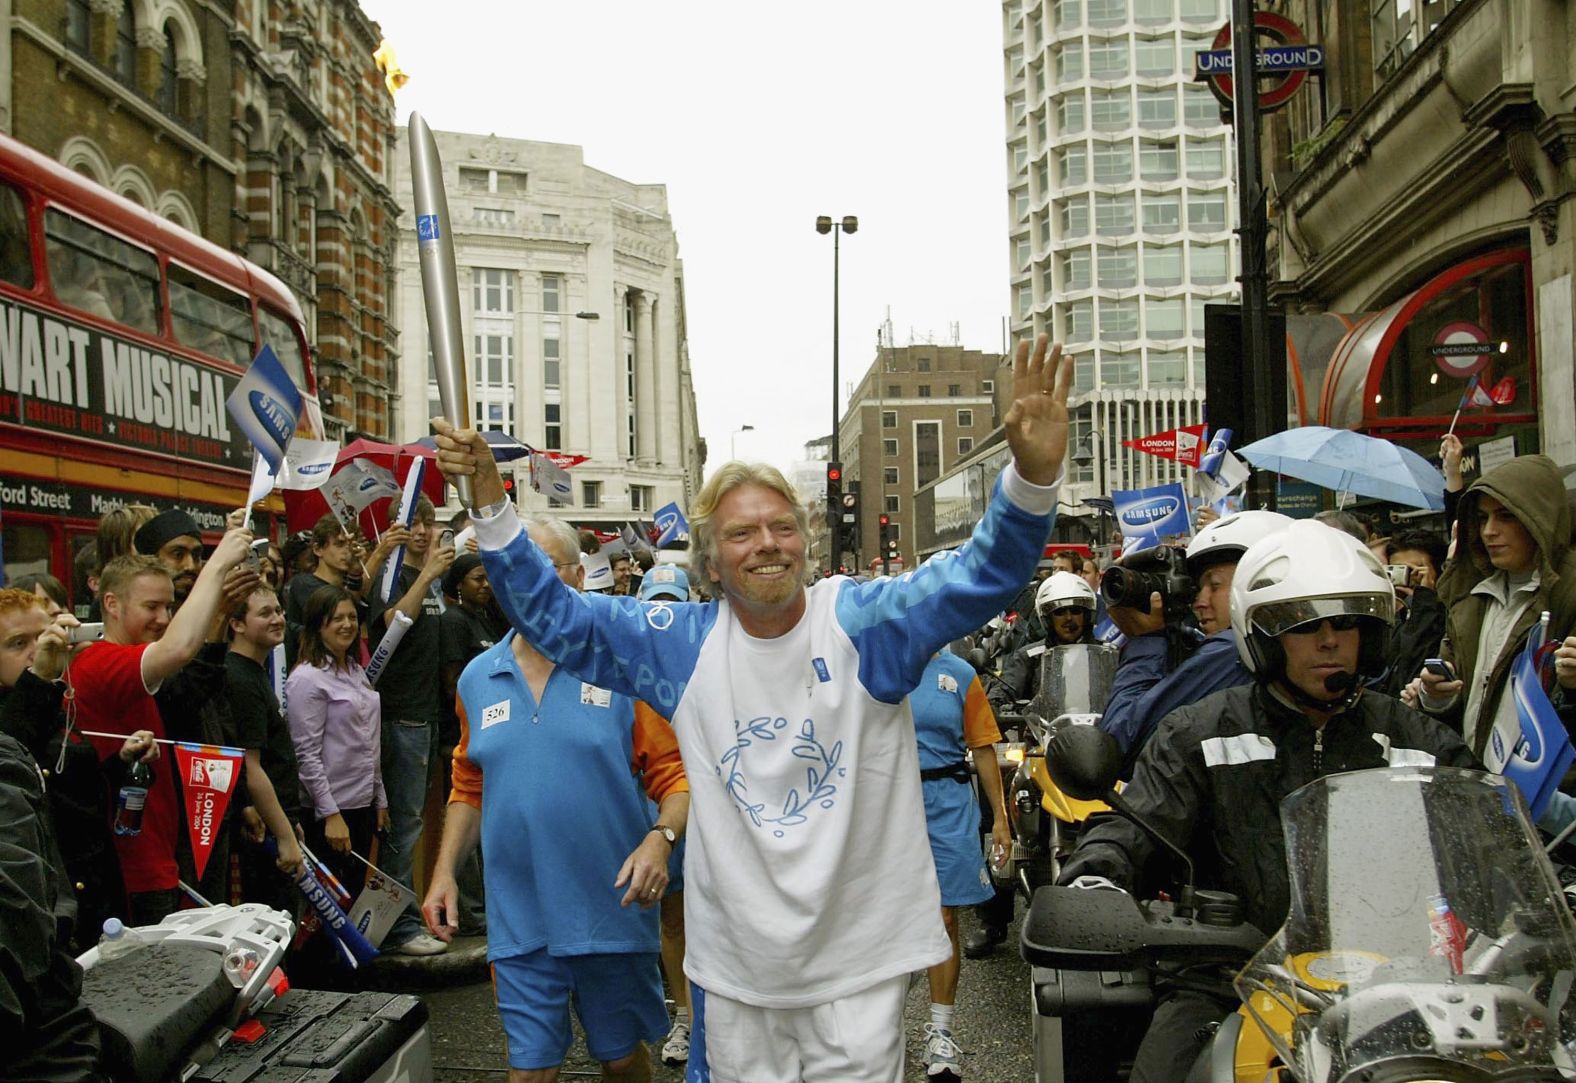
[885, 520]
[834, 471]
[508, 483]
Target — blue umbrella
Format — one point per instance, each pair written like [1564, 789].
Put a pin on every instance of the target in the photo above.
[1350, 462]
[505, 448]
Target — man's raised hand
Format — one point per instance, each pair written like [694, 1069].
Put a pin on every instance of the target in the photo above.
[463, 453]
[1037, 424]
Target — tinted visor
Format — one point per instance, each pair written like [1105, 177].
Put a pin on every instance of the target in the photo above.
[1278, 618]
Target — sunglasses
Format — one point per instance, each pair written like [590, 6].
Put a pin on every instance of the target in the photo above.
[1346, 622]
[1066, 610]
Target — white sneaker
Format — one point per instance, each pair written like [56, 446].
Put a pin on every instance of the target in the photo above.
[420, 944]
[675, 1050]
[941, 1056]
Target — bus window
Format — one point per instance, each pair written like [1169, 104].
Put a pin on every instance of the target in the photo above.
[16, 257]
[209, 317]
[99, 273]
[27, 549]
[279, 333]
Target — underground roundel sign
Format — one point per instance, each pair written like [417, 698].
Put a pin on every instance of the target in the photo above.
[1285, 57]
[1461, 349]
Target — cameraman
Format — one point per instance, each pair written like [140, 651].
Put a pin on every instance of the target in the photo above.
[1065, 607]
[1149, 685]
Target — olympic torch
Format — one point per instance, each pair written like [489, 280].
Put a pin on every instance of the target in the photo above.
[440, 286]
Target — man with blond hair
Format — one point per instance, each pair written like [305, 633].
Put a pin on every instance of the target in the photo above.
[790, 706]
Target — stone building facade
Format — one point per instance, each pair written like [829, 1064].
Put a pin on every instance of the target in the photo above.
[572, 294]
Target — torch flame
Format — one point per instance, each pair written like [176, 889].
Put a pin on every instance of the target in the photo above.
[394, 76]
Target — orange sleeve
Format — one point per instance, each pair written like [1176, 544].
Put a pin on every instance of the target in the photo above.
[656, 757]
[467, 776]
[979, 721]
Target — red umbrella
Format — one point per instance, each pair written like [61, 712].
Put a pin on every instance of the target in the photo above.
[304, 509]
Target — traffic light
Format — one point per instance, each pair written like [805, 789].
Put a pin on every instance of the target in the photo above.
[850, 517]
[506, 475]
[834, 506]
[886, 547]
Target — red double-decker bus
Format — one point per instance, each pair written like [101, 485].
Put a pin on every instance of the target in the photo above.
[121, 336]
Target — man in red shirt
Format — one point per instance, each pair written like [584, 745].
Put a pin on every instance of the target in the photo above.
[113, 682]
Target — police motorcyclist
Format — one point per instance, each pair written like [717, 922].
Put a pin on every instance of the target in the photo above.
[1311, 608]
[1066, 607]
[1147, 687]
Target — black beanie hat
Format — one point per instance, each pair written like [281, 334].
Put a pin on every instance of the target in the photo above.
[157, 532]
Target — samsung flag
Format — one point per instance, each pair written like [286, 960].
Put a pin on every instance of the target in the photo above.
[266, 405]
[1149, 516]
[1532, 750]
[672, 527]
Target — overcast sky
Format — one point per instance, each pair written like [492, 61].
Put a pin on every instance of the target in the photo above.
[758, 117]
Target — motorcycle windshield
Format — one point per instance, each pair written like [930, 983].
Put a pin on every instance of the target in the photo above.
[1426, 932]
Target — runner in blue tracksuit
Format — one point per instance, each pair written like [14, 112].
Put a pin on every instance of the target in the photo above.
[790, 706]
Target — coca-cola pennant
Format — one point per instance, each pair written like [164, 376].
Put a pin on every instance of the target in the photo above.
[208, 775]
[1184, 445]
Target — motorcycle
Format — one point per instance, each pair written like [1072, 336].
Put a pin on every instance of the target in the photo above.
[1439, 948]
[1075, 681]
[200, 997]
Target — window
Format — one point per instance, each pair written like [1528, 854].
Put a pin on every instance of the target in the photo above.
[889, 475]
[894, 532]
[965, 419]
[1164, 318]
[1113, 163]
[1070, 114]
[552, 364]
[1206, 159]
[642, 498]
[924, 391]
[1108, 59]
[1153, 11]
[954, 390]
[1162, 212]
[591, 494]
[1162, 265]
[550, 221]
[1020, 157]
[209, 317]
[283, 337]
[965, 445]
[927, 452]
[126, 45]
[492, 291]
[1025, 306]
[97, 273]
[1079, 319]
[889, 419]
[1120, 370]
[1119, 320]
[1110, 110]
[1118, 267]
[1157, 161]
[1210, 264]
[552, 291]
[1020, 204]
[1200, 107]
[1075, 269]
[1167, 369]
[922, 364]
[1075, 217]
[1114, 215]
[1157, 108]
[494, 218]
[1069, 13]
[167, 77]
[1073, 165]
[1206, 211]
[1083, 372]
[492, 360]
[78, 20]
[1069, 62]
[16, 256]
[1042, 177]
[1198, 315]
[1021, 253]
[553, 425]
[1154, 57]
[987, 387]
[894, 391]
[1107, 12]
[892, 505]
[493, 373]
[889, 447]
[1200, 11]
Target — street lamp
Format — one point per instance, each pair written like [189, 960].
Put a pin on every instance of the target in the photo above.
[1085, 455]
[733, 440]
[825, 225]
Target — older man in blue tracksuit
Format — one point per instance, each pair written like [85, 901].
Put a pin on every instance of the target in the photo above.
[791, 709]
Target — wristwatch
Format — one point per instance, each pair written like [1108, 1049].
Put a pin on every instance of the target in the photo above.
[666, 832]
[493, 510]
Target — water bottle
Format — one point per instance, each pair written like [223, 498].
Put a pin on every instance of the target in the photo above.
[133, 796]
[118, 940]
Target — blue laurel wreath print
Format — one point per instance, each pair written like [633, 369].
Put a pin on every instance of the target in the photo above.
[820, 787]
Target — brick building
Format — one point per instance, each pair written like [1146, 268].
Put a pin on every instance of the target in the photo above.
[918, 410]
[265, 128]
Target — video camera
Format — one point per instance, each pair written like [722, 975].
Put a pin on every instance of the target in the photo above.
[1161, 570]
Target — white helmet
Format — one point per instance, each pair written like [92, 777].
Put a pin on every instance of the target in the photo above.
[1304, 573]
[1227, 538]
[1063, 589]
